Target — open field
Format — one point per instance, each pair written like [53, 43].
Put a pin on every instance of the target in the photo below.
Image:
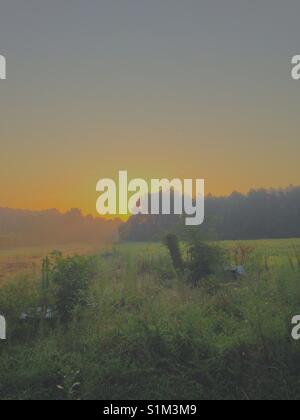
[140, 331]
[272, 247]
[28, 259]
[23, 259]
[277, 251]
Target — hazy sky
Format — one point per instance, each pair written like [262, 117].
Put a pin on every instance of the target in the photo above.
[161, 88]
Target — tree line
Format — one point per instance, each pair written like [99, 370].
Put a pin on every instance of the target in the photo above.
[259, 214]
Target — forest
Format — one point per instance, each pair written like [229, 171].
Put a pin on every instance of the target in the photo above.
[260, 214]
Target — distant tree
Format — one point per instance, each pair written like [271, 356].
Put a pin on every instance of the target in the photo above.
[259, 214]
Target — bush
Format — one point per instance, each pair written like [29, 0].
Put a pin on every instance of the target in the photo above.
[204, 261]
[71, 278]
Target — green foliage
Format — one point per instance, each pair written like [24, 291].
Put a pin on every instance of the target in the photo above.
[71, 277]
[18, 294]
[204, 260]
[172, 243]
[141, 337]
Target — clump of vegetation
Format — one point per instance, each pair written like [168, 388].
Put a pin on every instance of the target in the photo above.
[71, 278]
[203, 259]
[172, 243]
[297, 255]
[242, 253]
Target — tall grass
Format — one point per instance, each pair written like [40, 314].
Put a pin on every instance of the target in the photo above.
[144, 333]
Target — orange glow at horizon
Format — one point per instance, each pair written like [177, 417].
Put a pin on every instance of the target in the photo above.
[190, 99]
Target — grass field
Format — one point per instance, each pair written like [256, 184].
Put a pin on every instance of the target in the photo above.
[144, 333]
[28, 259]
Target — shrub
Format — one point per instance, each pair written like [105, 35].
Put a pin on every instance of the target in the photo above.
[204, 261]
[71, 278]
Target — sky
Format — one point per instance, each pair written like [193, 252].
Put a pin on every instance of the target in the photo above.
[160, 88]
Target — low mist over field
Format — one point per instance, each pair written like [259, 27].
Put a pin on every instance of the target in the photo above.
[27, 228]
[260, 214]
